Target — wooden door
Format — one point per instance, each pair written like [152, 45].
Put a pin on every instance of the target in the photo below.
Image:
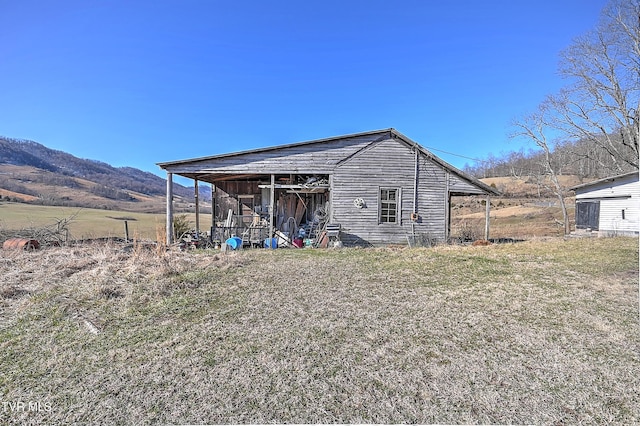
[588, 215]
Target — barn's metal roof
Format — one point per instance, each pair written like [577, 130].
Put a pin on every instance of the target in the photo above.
[166, 164]
[391, 132]
[604, 180]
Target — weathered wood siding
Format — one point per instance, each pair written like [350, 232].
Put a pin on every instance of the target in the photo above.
[226, 195]
[388, 164]
[357, 166]
[313, 158]
[462, 186]
[615, 197]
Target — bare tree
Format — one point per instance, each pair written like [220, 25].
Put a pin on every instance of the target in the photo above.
[601, 104]
[534, 128]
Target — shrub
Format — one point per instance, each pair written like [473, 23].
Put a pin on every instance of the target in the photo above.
[181, 225]
[468, 232]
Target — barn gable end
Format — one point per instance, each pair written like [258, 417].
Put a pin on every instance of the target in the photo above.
[390, 164]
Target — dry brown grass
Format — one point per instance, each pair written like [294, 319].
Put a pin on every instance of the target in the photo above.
[510, 218]
[528, 186]
[39, 181]
[542, 332]
[522, 212]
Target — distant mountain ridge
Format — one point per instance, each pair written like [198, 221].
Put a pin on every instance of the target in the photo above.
[66, 170]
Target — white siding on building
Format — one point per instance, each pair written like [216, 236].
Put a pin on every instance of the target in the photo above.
[616, 195]
[611, 216]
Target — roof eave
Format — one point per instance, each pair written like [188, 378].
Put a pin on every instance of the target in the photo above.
[166, 164]
[603, 180]
[488, 189]
[392, 132]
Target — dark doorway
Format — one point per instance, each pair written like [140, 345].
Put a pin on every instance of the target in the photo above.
[588, 215]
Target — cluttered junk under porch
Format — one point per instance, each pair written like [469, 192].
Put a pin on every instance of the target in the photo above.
[300, 220]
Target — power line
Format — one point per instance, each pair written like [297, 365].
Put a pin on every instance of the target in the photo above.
[455, 155]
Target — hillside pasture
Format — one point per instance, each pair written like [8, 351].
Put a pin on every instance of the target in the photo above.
[530, 186]
[525, 209]
[110, 189]
[538, 332]
[49, 188]
[84, 223]
[511, 218]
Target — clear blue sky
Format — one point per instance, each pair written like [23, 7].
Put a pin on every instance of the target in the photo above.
[136, 82]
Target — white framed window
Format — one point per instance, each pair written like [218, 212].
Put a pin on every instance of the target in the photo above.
[389, 205]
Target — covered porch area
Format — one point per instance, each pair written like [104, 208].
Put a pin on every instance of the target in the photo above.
[261, 209]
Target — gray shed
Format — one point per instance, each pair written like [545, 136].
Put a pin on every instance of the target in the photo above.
[370, 188]
[609, 206]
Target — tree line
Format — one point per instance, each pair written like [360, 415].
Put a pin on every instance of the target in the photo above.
[581, 158]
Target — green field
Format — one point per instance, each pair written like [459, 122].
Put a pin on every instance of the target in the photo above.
[85, 223]
[538, 332]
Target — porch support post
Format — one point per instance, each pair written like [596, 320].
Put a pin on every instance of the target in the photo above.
[447, 208]
[487, 217]
[169, 208]
[197, 199]
[272, 203]
[213, 211]
[331, 218]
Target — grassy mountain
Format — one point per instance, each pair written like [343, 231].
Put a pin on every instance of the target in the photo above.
[31, 172]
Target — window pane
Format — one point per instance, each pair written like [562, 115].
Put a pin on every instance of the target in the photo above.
[388, 205]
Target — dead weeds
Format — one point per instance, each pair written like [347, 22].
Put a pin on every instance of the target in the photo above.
[535, 332]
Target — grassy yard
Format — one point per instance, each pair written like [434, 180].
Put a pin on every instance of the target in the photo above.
[539, 332]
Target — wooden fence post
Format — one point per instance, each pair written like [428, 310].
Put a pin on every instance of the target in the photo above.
[487, 218]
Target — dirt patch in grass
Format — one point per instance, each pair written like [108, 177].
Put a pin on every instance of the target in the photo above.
[535, 332]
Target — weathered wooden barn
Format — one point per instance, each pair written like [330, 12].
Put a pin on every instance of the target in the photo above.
[371, 188]
[609, 206]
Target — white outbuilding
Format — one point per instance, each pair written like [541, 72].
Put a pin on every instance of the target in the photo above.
[609, 206]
